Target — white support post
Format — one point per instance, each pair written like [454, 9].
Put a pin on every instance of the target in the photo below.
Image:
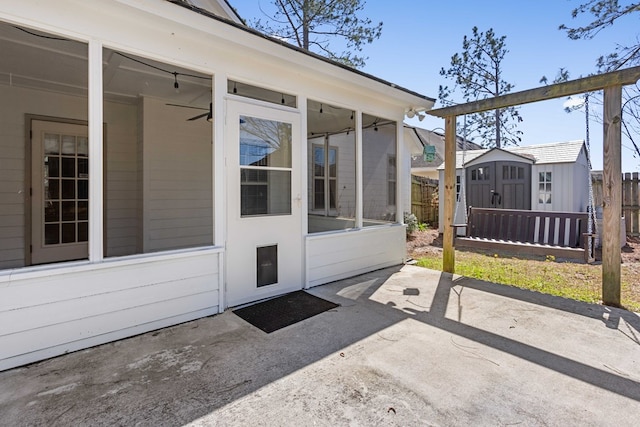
[96, 153]
[359, 177]
[400, 172]
[304, 192]
[304, 172]
[219, 180]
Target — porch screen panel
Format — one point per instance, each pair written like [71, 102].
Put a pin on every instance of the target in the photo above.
[43, 76]
[158, 149]
[331, 168]
[378, 170]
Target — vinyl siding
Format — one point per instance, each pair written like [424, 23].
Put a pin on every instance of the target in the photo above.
[50, 312]
[335, 256]
[177, 168]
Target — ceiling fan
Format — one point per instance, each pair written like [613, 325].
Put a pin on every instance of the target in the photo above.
[208, 114]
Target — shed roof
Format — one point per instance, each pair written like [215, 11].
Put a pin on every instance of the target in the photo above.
[557, 152]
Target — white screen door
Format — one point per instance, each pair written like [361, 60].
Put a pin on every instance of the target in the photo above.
[60, 192]
[264, 221]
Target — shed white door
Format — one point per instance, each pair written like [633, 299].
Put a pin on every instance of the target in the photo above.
[264, 221]
[60, 192]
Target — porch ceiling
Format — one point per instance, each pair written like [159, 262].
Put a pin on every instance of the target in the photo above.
[25, 52]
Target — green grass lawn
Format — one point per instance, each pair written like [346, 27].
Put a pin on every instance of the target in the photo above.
[582, 282]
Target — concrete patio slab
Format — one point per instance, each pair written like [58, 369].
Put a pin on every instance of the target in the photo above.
[407, 346]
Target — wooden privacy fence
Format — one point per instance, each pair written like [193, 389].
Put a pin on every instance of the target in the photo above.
[424, 200]
[630, 199]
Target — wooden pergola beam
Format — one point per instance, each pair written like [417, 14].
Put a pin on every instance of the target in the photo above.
[612, 84]
[587, 84]
[611, 196]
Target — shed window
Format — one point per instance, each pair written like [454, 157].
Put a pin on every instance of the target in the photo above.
[544, 188]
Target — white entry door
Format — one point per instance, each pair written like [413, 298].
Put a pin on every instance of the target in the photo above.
[60, 192]
[264, 221]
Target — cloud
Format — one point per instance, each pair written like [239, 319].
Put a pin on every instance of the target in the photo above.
[573, 102]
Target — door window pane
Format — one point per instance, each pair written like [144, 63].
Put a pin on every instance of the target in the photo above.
[51, 234]
[68, 167]
[267, 193]
[83, 231]
[51, 166]
[68, 232]
[264, 143]
[51, 144]
[68, 145]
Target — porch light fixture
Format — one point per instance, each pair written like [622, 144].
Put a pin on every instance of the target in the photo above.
[412, 112]
[175, 81]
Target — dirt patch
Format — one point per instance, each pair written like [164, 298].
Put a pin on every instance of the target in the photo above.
[428, 243]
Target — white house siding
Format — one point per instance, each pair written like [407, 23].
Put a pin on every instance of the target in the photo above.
[335, 256]
[48, 312]
[178, 182]
[121, 162]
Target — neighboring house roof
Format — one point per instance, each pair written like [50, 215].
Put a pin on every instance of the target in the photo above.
[218, 7]
[428, 137]
[188, 5]
[557, 152]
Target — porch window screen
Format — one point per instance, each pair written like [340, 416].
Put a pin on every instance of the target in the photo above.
[378, 170]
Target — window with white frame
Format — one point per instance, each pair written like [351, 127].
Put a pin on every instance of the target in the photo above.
[391, 180]
[544, 188]
[325, 177]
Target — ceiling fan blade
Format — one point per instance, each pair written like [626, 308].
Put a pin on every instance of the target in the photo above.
[199, 116]
[186, 106]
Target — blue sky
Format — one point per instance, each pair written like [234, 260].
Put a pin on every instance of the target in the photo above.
[420, 36]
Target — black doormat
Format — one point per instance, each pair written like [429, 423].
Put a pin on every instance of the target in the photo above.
[286, 310]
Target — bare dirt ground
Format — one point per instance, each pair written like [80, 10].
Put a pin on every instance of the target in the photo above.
[428, 244]
[421, 243]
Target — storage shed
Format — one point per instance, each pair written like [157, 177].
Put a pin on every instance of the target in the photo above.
[551, 177]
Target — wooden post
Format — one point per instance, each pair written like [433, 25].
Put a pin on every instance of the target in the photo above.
[448, 252]
[612, 195]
